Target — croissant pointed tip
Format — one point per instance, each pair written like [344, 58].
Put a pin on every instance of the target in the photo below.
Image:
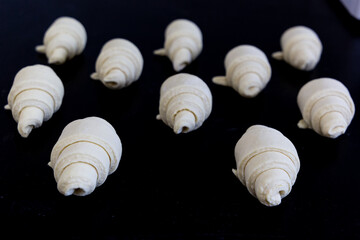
[94, 76]
[305, 61]
[160, 52]
[26, 130]
[115, 79]
[250, 85]
[181, 59]
[333, 124]
[184, 122]
[40, 49]
[77, 179]
[180, 66]
[181, 129]
[58, 56]
[30, 118]
[273, 200]
[277, 55]
[336, 131]
[234, 171]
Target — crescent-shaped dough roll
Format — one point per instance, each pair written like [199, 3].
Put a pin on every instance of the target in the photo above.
[301, 48]
[183, 43]
[36, 94]
[119, 64]
[267, 164]
[326, 107]
[185, 102]
[63, 40]
[247, 70]
[87, 151]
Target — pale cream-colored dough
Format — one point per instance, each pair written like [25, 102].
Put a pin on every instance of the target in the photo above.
[183, 43]
[87, 151]
[301, 48]
[247, 70]
[119, 64]
[185, 102]
[267, 164]
[326, 107]
[63, 40]
[36, 94]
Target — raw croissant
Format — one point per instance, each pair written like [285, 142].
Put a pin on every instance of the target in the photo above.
[301, 48]
[247, 70]
[326, 106]
[36, 94]
[185, 102]
[267, 164]
[183, 43]
[119, 64]
[63, 40]
[87, 151]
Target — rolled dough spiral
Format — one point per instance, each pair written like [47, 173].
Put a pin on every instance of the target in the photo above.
[301, 48]
[119, 64]
[63, 40]
[247, 70]
[185, 102]
[326, 107]
[267, 164]
[183, 43]
[36, 94]
[87, 151]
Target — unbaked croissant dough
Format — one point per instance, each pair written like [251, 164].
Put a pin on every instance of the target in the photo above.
[267, 164]
[185, 102]
[36, 94]
[183, 43]
[119, 64]
[87, 151]
[326, 106]
[63, 40]
[301, 48]
[247, 70]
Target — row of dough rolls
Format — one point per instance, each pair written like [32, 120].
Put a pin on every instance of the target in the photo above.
[89, 149]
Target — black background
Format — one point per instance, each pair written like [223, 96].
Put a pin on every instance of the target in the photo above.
[172, 186]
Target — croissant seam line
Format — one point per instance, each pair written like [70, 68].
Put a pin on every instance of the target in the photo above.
[263, 151]
[29, 89]
[87, 142]
[185, 109]
[97, 173]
